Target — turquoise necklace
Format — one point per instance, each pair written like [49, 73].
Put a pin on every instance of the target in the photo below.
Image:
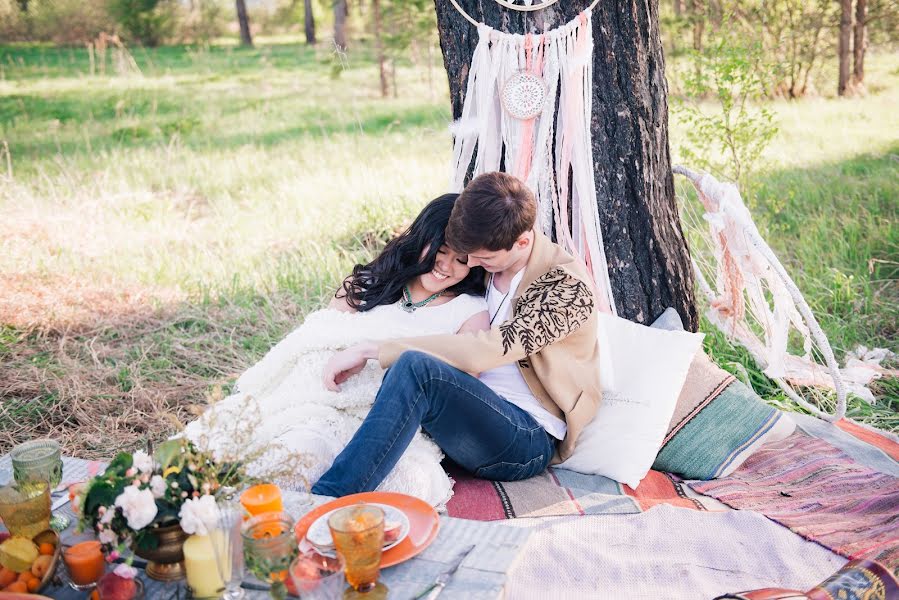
[410, 307]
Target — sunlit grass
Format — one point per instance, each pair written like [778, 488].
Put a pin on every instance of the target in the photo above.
[243, 184]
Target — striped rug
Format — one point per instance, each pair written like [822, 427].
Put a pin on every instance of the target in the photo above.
[817, 491]
[559, 492]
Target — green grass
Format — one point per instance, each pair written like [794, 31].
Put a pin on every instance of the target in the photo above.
[163, 229]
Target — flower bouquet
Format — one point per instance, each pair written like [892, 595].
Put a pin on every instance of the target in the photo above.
[150, 503]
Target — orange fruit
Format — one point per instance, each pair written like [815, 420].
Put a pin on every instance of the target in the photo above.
[17, 586]
[25, 576]
[46, 548]
[95, 595]
[33, 584]
[41, 565]
[7, 576]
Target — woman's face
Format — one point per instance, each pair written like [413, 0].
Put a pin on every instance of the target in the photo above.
[449, 269]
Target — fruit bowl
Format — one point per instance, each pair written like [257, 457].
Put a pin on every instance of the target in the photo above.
[27, 566]
[49, 537]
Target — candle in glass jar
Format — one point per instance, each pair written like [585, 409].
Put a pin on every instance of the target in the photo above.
[202, 571]
[263, 498]
[85, 562]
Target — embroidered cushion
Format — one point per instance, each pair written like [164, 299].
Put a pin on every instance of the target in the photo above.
[718, 423]
[622, 440]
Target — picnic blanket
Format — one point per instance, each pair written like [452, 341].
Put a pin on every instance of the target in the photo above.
[834, 485]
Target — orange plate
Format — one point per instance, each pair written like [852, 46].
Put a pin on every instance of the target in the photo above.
[423, 522]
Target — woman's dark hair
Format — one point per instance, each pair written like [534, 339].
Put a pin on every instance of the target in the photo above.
[381, 281]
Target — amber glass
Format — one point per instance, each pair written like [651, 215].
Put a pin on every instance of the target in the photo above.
[25, 508]
[358, 533]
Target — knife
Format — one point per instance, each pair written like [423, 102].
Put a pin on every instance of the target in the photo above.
[443, 579]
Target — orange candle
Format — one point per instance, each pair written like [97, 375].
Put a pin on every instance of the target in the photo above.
[263, 498]
[85, 563]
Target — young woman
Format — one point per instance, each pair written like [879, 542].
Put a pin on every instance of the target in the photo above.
[286, 426]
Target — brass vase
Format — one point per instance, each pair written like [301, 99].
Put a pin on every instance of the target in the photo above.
[166, 561]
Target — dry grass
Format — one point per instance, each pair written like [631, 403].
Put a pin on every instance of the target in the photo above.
[104, 370]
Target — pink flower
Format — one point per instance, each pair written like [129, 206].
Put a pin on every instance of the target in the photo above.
[131, 472]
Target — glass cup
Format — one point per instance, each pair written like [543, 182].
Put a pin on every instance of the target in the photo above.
[228, 545]
[317, 577]
[358, 533]
[25, 508]
[37, 460]
[85, 563]
[269, 546]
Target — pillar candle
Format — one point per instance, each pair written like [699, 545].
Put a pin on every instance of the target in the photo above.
[263, 498]
[202, 571]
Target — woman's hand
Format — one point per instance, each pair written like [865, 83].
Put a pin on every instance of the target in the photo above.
[347, 363]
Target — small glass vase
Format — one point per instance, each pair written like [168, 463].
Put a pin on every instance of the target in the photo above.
[227, 543]
[269, 547]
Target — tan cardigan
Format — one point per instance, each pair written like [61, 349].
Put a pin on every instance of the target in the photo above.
[552, 334]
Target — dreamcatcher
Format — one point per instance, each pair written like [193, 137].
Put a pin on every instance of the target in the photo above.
[754, 301]
[511, 118]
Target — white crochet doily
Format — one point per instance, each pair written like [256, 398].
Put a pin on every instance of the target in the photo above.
[524, 95]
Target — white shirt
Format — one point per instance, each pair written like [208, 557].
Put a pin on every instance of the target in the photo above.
[507, 380]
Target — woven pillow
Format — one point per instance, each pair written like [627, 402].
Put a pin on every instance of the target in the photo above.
[717, 424]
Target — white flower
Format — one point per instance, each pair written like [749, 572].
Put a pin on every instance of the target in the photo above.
[138, 506]
[198, 515]
[125, 571]
[157, 486]
[107, 517]
[142, 461]
[107, 536]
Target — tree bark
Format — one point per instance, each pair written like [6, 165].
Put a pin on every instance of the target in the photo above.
[844, 45]
[341, 12]
[379, 47]
[246, 38]
[859, 42]
[309, 22]
[649, 264]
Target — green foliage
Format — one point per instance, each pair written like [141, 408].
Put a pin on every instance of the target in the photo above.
[797, 36]
[729, 138]
[146, 22]
[64, 22]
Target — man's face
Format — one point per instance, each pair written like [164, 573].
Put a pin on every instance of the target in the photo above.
[496, 261]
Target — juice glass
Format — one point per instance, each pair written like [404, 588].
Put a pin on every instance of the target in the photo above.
[358, 533]
[85, 563]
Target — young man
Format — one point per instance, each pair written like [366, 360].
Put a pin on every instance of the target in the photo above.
[538, 362]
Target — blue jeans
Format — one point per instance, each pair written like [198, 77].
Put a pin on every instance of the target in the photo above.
[478, 429]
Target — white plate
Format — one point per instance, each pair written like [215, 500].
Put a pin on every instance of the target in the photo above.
[319, 535]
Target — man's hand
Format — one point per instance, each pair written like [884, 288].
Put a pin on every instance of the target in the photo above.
[347, 363]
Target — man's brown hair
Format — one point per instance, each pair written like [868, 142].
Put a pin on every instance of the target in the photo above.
[492, 212]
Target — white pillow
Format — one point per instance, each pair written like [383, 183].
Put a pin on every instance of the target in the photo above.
[642, 371]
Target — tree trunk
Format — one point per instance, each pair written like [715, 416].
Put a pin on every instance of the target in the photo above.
[678, 7]
[698, 16]
[246, 39]
[341, 12]
[844, 45]
[379, 47]
[859, 42]
[649, 264]
[309, 22]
